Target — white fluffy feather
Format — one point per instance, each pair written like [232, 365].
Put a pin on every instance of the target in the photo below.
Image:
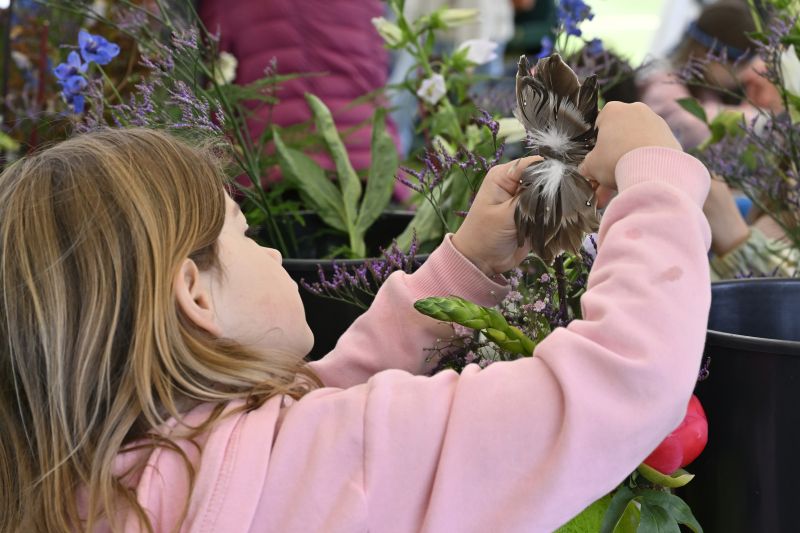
[548, 174]
[552, 137]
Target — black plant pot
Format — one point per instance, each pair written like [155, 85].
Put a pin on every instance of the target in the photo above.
[329, 318]
[747, 477]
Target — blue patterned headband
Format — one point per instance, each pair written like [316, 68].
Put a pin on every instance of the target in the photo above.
[713, 43]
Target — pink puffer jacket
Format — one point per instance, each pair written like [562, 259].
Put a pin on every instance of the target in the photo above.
[333, 37]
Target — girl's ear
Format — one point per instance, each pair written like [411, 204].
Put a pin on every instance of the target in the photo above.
[194, 298]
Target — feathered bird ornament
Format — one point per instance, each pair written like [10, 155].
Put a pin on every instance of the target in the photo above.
[556, 205]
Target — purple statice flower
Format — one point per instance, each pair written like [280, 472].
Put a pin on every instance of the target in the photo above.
[186, 39]
[762, 162]
[96, 48]
[195, 110]
[131, 20]
[487, 120]
[358, 284]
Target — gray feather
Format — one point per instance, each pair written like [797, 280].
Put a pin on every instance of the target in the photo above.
[556, 206]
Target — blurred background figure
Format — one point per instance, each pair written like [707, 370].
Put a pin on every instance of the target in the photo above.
[533, 20]
[721, 29]
[334, 38]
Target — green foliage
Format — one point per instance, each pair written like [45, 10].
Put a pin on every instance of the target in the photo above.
[342, 207]
[693, 106]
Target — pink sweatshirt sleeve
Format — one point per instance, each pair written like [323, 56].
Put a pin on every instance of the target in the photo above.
[392, 334]
[523, 445]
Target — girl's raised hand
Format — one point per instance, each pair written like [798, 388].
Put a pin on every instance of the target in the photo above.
[621, 129]
[488, 236]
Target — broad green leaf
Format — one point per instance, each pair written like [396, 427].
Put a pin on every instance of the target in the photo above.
[679, 478]
[383, 167]
[629, 522]
[673, 505]
[349, 182]
[589, 519]
[693, 106]
[317, 189]
[655, 519]
[616, 509]
[425, 223]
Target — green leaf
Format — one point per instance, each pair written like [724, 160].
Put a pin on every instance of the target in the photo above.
[629, 522]
[349, 182]
[676, 508]
[616, 510]
[693, 106]
[383, 167]
[7, 143]
[655, 519]
[317, 189]
[589, 519]
[678, 479]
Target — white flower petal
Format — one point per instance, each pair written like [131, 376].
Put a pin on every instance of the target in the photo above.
[790, 70]
[479, 51]
[432, 89]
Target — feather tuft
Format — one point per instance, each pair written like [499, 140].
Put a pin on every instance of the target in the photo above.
[556, 205]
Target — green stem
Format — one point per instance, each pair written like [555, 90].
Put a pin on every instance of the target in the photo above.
[165, 13]
[110, 82]
[756, 15]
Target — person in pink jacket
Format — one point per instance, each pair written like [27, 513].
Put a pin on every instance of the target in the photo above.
[153, 373]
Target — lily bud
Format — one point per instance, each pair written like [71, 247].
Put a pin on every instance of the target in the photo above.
[511, 130]
[479, 51]
[450, 18]
[389, 32]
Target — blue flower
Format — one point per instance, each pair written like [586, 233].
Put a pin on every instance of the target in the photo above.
[77, 101]
[96, 48]
[546, 47]
[571, 13]
[72, 92]
[595, 47]
[73, 67]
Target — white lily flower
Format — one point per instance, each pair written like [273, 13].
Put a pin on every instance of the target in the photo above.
[790, 70]
[432, 89]
[390, 32]
[450, 18]
[511, 130]
[225, 68]
[479, 51]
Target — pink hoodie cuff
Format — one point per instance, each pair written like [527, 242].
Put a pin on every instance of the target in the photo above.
[664, 165]
[448, 273]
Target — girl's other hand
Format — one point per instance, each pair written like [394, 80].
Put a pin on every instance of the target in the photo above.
[488, 236]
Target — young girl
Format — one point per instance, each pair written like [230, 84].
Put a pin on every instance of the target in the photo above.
[152, 356]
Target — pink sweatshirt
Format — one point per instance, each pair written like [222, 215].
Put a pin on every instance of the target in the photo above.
[518, 446]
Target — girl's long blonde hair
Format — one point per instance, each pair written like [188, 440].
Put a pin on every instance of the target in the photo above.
[94, 351]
